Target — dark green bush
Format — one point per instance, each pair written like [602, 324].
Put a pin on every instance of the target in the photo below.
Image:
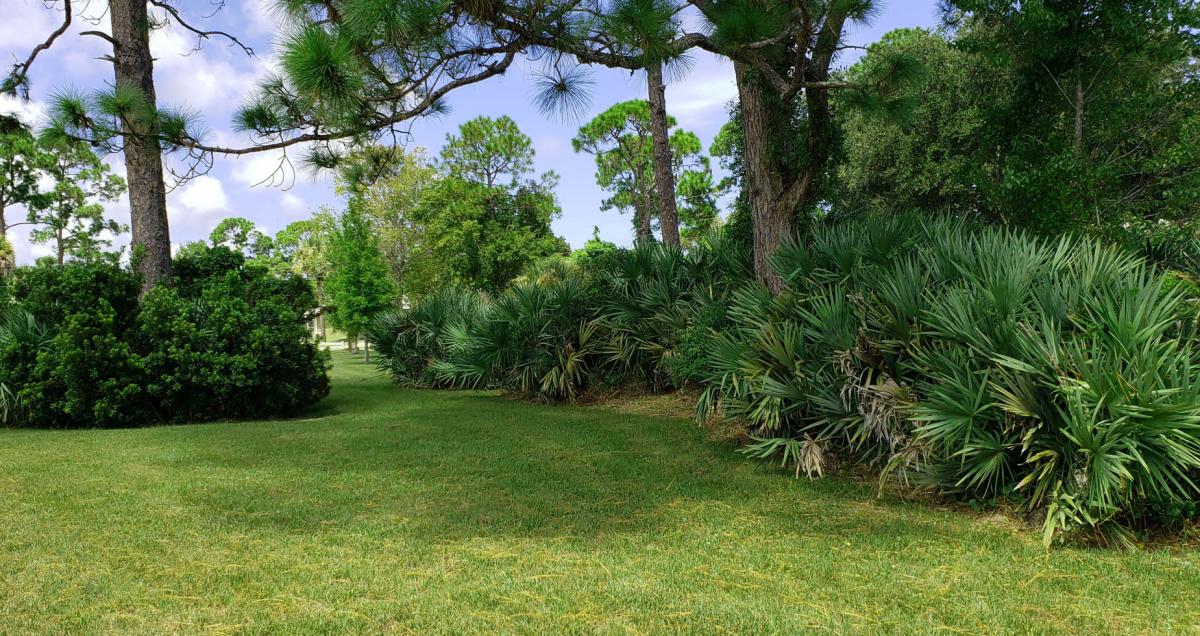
[985, 364]
[230, 340]
[84, 371]
[79, 349]
[690, 361]
[408, 341]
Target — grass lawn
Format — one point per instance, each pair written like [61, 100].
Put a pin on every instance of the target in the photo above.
[397, 511]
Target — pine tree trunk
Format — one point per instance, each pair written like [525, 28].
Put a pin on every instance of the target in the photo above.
[772, 224]
[8, 258]
[643, 211]
[777, 190]
[366, 352]
[134, 67]
[645, 231]
[1079, 104]
[664, 173]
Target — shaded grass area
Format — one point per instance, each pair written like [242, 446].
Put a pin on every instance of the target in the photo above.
[397, 511]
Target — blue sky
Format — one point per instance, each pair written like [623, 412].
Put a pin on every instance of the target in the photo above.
[213, 80]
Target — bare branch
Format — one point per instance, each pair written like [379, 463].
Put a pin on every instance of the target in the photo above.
[103, 36]
[20, 71]
[202, 35]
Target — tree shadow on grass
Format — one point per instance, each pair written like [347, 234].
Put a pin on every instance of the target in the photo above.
[456, 465]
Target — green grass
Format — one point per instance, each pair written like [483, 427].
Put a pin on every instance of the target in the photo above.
[397, 511]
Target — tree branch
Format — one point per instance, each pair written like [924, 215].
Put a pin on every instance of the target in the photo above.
[378, 124]
[202, 35]
[103, 36]
[20, 71]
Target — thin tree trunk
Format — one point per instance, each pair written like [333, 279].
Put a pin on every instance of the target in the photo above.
[643, 208]
[61, 252]
[366, 352]
[8, 257]
[1078, 116]
[772, 224]
[134, 67]
[321, 306]
[664, 173]
[645, 231]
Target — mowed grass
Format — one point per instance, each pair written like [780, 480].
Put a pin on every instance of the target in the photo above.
[398, 511]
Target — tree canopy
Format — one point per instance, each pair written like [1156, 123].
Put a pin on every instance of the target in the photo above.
[621, 140]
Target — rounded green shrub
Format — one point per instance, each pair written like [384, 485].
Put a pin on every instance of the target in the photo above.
[230, 340]
[79, 348]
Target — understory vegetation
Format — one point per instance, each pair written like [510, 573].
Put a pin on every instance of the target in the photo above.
[80, 348]
[1059, 374]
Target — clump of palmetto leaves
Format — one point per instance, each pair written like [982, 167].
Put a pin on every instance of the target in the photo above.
[20, 331]
[536, 338]
[561, 325]
[1057, 372]
[410, 340]
[653, 295]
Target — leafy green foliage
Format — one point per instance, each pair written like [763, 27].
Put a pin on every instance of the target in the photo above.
[926, 156]
[1064, 116]
[358, 283]
[242, 236]
[485, 237]
[486, 219]
[22, 159]
[492, 152]
[620, 139]
[78, 348]
[392, 197]
[408, 341]
[230, 340]
[70, 215]
[983, 364]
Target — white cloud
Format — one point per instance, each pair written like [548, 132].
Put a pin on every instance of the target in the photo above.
[274, 168]
[31, 113]
[703, 94]
[262, 16]
[208, 80]
[291, 202]
[263, 169]
[203, 195]
[26, 23]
